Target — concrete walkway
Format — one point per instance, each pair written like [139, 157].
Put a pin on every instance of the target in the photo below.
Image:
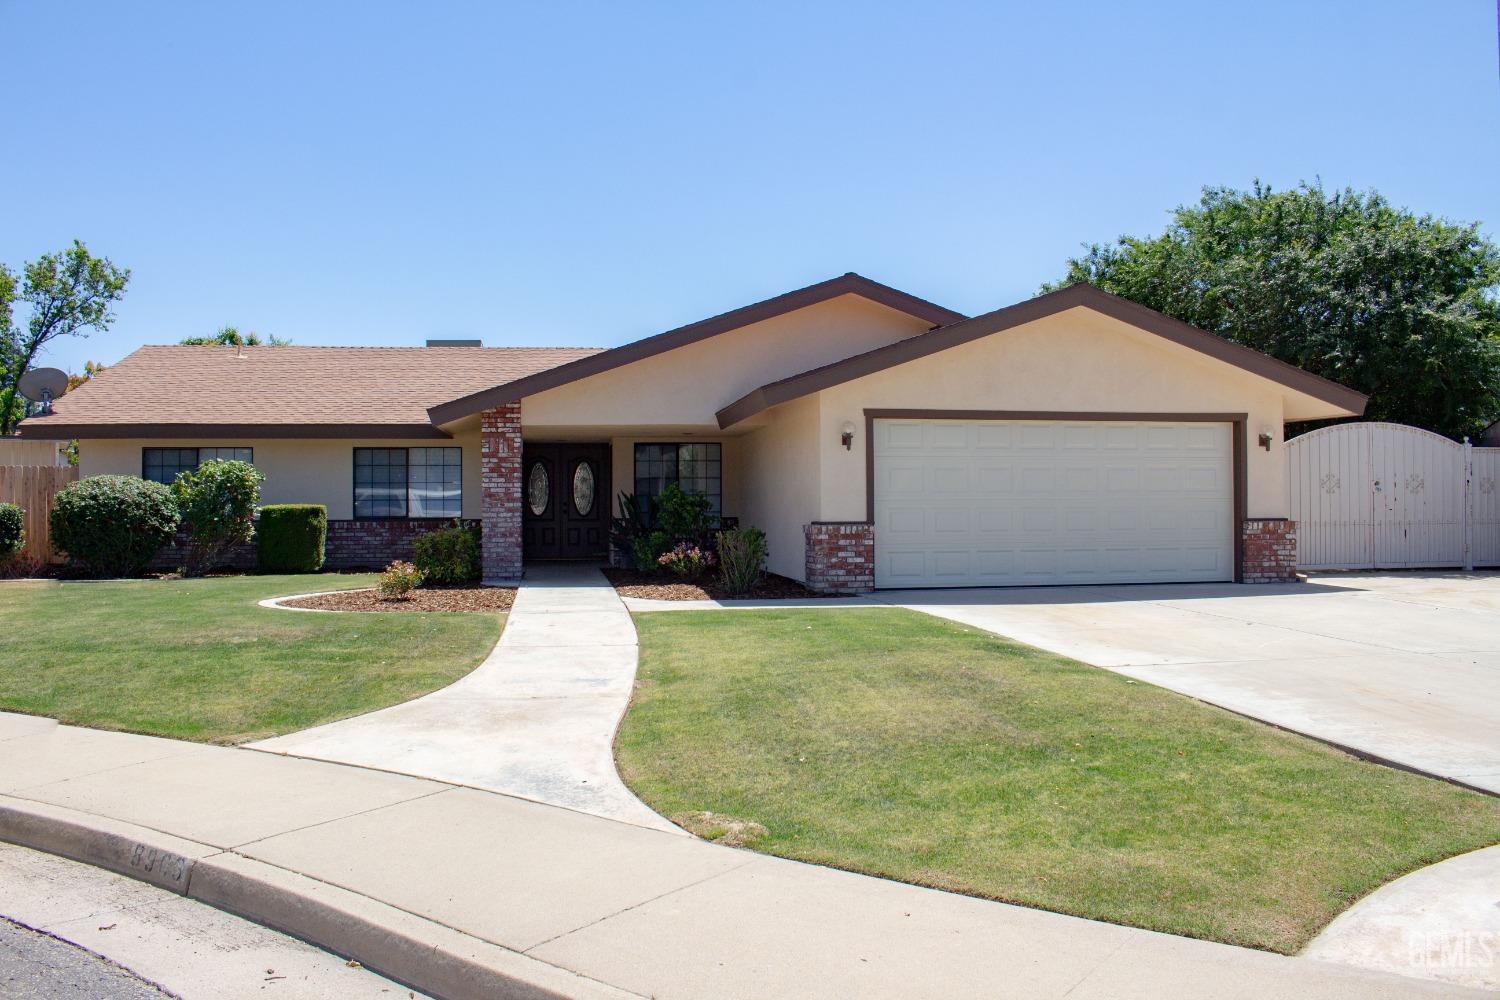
[466, 893]
[537, 719]
[1442, 922]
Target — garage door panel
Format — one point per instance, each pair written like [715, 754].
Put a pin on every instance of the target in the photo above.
[1032, 503]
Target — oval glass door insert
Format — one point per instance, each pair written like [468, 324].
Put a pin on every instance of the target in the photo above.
[583, 489]
[538, 489]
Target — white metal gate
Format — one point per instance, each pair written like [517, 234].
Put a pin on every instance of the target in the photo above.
[1388, 496]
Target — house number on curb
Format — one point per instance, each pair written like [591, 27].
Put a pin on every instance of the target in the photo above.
[148, 859]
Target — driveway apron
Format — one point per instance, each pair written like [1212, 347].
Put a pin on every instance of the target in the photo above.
[536, 720]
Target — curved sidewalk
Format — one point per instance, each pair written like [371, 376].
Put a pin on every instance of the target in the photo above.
[536, 719]
[464, 893]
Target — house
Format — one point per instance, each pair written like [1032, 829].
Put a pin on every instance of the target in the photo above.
[879, 440]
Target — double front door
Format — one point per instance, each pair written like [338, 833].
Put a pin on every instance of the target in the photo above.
[565, 501]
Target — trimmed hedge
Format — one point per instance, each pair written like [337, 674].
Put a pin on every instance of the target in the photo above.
[12, 529]
[448, 555]
[291, 537]
[113, 525]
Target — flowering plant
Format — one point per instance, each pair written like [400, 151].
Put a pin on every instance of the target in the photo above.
[687, 561]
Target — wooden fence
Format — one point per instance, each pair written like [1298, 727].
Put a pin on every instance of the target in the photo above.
[33, 487]
[14, 451]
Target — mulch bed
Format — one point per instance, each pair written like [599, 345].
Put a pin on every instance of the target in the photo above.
[633, 583]
[421, 599]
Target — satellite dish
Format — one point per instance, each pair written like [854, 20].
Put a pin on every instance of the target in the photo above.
[43, 385]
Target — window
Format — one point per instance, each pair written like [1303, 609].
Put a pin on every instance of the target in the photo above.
[408, 482]
[162, 465]
[696, 467]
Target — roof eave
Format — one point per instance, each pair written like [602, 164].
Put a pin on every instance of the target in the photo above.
[41, 429]
[552, 378]
[1040, 307]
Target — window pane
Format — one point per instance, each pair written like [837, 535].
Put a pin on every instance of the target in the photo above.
[162, 465]
[380, 482]
[695, 466]
[435, 482]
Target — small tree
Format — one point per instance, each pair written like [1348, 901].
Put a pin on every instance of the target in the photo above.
[217, 501]
[68, 293]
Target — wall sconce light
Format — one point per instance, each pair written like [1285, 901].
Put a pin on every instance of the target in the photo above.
[847, 437]
[1265, 438]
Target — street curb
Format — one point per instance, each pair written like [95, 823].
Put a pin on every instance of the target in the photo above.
[410, 949]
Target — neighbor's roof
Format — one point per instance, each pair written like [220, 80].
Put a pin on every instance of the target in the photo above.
[285, 391]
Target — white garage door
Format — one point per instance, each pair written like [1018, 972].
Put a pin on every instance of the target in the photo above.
[970, 503]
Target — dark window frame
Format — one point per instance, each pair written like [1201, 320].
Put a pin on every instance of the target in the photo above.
[146, 462]
[677, 446]
[407, 501]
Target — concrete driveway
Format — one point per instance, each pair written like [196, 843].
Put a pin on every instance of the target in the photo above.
[1403, 667]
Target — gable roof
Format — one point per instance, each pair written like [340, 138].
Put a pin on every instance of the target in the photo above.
[288, 391]
[1133, 313]
[845, 284]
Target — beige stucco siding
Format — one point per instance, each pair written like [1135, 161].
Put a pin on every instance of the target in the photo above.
[780, 464]
[686, 386]
[296, 470]
[1079, 360]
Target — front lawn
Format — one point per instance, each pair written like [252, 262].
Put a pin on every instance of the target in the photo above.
[199, 660]
[890, 742]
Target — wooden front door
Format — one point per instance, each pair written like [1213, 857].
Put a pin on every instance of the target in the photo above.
[565, 500]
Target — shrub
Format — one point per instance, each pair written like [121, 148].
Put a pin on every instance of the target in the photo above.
[12, 530]
[648, 549]
[399, 580]
[291, 537]
[686, 560]
[217, 501]
[684, 515]
[449, 555]
[742, 558]
[636, 521]
[113, 525]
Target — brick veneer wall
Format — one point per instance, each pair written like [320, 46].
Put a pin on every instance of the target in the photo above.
[1269, 551]
[500, 473]
[840, 556]
[351, 545]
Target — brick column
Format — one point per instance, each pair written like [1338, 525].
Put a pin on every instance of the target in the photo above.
[500, 473]
[1269, 553]
[840, 556]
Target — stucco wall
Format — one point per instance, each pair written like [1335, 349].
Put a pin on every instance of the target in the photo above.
[685, 387]
[296, 471]
[1075, 361]
[780, 468]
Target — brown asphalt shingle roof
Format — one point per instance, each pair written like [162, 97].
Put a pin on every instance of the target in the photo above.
[292, 386]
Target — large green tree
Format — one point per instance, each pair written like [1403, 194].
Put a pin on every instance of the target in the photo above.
[66, 293]
[1399, 306]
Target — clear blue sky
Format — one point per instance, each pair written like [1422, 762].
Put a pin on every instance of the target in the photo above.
[586, 174]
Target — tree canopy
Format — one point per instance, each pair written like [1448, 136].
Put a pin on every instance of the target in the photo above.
[229, 336]
[67, 293]
[1398, 306]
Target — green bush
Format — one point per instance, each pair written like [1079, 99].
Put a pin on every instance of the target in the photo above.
[647, 550]
[217, 501]
[448, 555]
[399, 580]
[683, 515]
[12, 530]
[291, 537]
[113, 525]
[742, 558]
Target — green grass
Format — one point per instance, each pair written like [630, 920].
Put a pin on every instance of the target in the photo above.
[889, 742]
[199, 660]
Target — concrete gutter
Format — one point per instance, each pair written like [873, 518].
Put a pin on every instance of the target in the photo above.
[402, 946]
